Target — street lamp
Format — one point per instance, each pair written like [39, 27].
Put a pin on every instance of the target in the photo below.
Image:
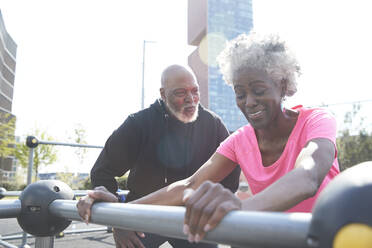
[143, 72]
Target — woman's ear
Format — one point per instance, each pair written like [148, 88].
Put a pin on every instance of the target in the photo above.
[283, 86]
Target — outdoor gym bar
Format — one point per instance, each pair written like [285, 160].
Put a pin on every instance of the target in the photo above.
[265, 229]
[341, 217]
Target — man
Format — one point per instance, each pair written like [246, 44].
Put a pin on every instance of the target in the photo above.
[162, 144]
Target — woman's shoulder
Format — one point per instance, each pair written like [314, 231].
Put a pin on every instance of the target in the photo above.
[313, 112]
[243, 133]
[242, 130]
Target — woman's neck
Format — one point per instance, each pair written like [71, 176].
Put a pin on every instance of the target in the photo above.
[280, 128]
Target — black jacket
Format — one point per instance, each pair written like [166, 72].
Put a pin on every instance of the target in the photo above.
[158, 150]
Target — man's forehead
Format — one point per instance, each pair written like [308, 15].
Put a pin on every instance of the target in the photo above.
[181, 80]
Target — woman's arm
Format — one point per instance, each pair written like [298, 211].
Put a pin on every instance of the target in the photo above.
[312, 165]
[215, 169]
[210, 203]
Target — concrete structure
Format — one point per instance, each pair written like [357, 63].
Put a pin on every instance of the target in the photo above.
[8, 51]
[210, 24]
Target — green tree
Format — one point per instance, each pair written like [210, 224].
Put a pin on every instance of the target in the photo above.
[354, 143]
[43, 154]
[7, 138]
[79, 137]
[66, 177]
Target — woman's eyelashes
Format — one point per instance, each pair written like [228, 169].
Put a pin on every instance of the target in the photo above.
[257, 92]
[240, 95]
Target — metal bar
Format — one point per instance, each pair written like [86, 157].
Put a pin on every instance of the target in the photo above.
[9, 208]
[11, 193]
[143, 76]
[13, 237]
[84, 192]
[43, 142]
[24, 239]
[76, 193]
[30, 165]
[44, 242]
[238, 228]
[6, 244]
[143, 72]
[87, 230]
[29, 180]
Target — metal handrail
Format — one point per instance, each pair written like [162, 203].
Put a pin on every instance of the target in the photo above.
[6, 244]
[43, 142]
[77, 193]
[262, 229]
[33, 142]
[10, 208]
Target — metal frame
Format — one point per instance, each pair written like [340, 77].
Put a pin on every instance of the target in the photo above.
[76, 193]
[261, 229]
[34, 143]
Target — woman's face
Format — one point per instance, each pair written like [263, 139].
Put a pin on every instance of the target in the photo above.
[257, 96]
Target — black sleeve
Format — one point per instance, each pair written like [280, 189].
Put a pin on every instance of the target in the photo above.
[118, 156]
[232, 180]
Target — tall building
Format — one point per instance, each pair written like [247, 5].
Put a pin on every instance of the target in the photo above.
[8, 51]
[210, 24]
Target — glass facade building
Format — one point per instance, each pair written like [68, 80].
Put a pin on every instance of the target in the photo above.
[8, 51]
[226, 19]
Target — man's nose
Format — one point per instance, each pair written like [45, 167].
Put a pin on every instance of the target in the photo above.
[189, 97]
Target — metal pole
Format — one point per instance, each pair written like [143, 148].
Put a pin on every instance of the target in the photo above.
[13, 237]
[9, 208]
[30, 165]
[143, 72]
[6, 244]
[77, 193]
[44, 242]
[43, 142]
[11, 193]
[29, 180]
[238, 228]
[143, 76]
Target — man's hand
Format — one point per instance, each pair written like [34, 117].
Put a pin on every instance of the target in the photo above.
[128, 239]
[205, 208]
[85, 203]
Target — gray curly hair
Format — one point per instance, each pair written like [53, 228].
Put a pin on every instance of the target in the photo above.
[266, 53]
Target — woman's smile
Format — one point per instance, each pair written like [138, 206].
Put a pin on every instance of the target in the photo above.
[256, 115]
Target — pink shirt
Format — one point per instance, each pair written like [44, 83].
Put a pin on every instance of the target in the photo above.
[242, 148]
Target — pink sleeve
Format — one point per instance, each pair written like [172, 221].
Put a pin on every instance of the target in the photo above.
[321, 124]
[226, 148]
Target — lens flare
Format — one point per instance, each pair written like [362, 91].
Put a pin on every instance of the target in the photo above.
[209, 48]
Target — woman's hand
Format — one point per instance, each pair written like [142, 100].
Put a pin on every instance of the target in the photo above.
[205, 208]
[85, 203]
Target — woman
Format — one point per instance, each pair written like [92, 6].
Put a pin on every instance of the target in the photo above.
[287, 155]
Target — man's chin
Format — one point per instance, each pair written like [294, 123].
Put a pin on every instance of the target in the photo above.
[186, 115]
[187, 118]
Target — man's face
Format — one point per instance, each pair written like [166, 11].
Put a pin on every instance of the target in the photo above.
[181, 96]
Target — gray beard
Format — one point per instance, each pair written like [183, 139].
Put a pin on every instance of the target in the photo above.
[180, 116]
